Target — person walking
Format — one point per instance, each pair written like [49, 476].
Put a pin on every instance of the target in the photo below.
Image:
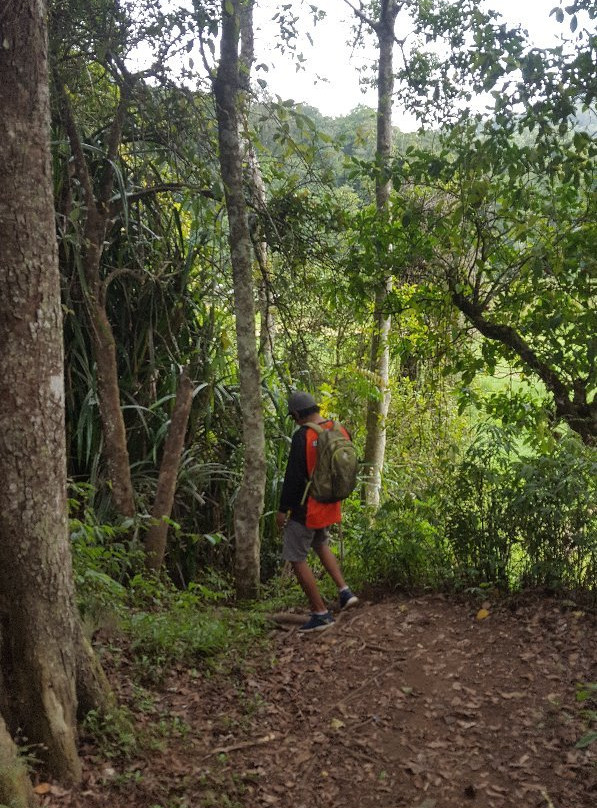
[305, 521]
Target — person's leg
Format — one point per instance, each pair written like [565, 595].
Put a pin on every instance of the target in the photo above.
[297, 543]
[332, 567]
[330, 563]
[308, 584]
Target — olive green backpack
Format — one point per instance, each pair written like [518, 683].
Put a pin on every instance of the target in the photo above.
[334, 476]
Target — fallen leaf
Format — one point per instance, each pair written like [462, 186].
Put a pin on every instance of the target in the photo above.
[482, 614]
[42, 788]
[335, 723]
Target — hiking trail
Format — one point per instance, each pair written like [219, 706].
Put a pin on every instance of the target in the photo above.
[406, 703]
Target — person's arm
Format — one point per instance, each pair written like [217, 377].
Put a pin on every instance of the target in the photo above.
[295, 478]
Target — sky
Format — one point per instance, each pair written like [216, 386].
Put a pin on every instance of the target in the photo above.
[330, 80]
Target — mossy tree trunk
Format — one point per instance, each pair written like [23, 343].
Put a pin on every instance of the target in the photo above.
[39, 620]
[156, 538]
[250, 497]
[103, 343]
[379, 361]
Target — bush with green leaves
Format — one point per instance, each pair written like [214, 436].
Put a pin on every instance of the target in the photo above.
[519, 518]
[104, 557]
[401, 547]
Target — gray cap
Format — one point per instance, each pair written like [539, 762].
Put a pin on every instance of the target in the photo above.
[299, 401]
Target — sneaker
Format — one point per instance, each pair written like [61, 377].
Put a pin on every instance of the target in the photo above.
[347, 599]
[317, 622]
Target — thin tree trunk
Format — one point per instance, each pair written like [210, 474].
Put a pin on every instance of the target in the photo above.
[39, 620]
[103, 344]
[379, 363]
[155, 541]
[257, 196]
[249, 500]
[267, 323]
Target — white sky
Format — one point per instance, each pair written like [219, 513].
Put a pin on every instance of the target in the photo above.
[330, 56]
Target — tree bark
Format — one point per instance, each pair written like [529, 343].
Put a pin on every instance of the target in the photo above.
[15, 786]
[93, 689]
[249, 500]
[39, 620]
[257, 196]
[379, 362]
[155, 541]
[103, 344]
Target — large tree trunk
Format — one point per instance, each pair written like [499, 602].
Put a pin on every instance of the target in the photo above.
[249, 500]
[39, 618]
[155, 541]
[379, 363]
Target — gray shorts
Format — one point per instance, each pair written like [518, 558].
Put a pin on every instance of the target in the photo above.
[298, 540]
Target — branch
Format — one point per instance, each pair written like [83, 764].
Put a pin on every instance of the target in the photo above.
[141, 276]
[362, 16]
[579, 414]
[135, 196]
[114, 139]
[76, 147]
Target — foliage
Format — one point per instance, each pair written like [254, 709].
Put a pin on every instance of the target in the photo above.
[492, 218]
[400, 548]
[515, 518]
[586, 694]
[169, 627]
[114, 732]
[103, 557]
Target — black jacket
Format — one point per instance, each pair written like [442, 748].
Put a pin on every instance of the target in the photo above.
[296, 477]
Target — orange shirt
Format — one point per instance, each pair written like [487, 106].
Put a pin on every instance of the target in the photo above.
[319, 514]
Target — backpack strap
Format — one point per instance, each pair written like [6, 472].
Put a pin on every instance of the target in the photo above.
[315, 427]
[318, 430]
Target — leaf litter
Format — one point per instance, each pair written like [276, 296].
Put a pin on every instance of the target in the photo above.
[404, 703]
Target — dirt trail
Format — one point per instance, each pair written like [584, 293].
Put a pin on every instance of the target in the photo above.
[403, 704]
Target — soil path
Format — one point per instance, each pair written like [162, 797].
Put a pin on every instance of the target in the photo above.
[402, 704]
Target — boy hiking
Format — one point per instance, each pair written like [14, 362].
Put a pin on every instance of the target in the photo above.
[310, 502]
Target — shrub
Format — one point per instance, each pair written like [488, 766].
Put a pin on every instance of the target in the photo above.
[516, 518]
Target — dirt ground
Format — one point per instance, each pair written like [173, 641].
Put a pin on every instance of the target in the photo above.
[405, 703]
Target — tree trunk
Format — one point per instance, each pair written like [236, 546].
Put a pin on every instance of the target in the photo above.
[379, 363]
[103, 344]
[39, 620]
[15, 786]
[103, 347]
[93, 688]
[155, 541]
[257, 196]
[249, 500]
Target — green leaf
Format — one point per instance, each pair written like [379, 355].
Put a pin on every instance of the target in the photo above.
[559, 14]
[586, 740]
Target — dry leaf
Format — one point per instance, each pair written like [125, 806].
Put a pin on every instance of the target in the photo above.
[482, 614]
[42, 788]
[336, 724]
